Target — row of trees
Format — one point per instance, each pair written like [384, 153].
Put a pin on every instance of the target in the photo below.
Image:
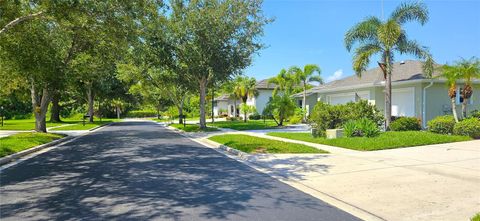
[159, 51]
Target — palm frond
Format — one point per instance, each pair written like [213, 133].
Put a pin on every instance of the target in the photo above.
[316, 78]
[406, 12]
[362, 32]
[362, 57]
[405, 46]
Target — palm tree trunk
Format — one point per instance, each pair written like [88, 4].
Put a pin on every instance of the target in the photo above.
[304, 102]
[454, 109]
[388, 100]
[245, 111]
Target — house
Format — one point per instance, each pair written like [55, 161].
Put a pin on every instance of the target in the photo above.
[412, 94]
[225, 105]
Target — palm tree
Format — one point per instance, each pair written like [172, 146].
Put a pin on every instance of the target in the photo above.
[468, 69]
[385, 38]
[244, 88]
[452, 75]
[304, 77]
[285, 82]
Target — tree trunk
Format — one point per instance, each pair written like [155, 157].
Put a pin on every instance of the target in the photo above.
[213, 102]
[55, 111]
[203, 91]
[388, 101]
[235, 107]
[454, 109]
[90, 98]
[118, 111]
[304, 120]
[245, 112]
[180, 110]
[40, 106]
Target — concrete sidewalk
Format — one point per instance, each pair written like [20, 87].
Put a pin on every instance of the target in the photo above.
[435, 182]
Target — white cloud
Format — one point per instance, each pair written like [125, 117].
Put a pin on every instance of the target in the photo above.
[335, 76]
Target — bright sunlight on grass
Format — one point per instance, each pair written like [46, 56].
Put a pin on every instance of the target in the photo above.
[22, 141]
[249, 125]
[387, 140]
[192, 128]
[251, 144]
[88, 126]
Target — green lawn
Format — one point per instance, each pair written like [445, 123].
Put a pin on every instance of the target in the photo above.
[28, 124]
[387, 140]
[192, 128]
[22, 141]
[249, 125]
[251, 144]
[88, 126]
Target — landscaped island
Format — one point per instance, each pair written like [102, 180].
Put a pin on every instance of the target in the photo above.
[386, 140]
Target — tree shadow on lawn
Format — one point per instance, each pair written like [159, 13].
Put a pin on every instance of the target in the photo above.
[115, 174]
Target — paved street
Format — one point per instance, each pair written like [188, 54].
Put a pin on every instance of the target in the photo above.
[141, 171]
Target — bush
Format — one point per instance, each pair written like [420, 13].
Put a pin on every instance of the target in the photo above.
[325, 116]
[441, 124]
[361, 128]
[142, 113]
[475, 114]
[255, 116]
[405, 124]
[468, 127]
[233, 118]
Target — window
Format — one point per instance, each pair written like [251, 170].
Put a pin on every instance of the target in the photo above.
[459, 97]
[300, 103]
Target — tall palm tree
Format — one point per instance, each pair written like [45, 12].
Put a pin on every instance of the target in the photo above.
[304, 77]
[452, 75]
[244, 88]
[385, 38]
[468, 69]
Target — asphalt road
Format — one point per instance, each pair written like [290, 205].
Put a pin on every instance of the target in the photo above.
[142, 171]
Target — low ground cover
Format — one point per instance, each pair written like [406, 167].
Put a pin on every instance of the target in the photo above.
[192, 128]
[249, 125]
[386, 140]
[22, 141]
[251, 144]
[476, 217]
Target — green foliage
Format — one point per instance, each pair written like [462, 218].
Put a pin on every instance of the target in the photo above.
[441, 124]
[476, 217]
[193, 128]
[475, 114]
[468, 127]
[405, 124]
[325, 116]
[250, 125]
[247, 109]
[141, 113]
[362, 127]
[255, 116]
[281, 107]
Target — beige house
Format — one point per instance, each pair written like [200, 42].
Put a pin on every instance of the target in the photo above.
[412, 94]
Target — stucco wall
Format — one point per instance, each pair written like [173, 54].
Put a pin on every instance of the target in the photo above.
[438, 102]
[261, 100]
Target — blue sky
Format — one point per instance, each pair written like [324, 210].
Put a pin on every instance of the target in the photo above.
[312, 31]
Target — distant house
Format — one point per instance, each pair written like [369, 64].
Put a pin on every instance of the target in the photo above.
[225, 105]
[412, 94]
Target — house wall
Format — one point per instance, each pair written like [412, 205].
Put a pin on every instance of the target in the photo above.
[438, 102]
[260, 101]
[379, 96]
[220, 105]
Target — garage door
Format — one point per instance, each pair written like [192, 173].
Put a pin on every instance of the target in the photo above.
[403, 102]
[347, 97]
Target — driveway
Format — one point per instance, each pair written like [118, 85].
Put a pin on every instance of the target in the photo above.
[142, 171]
[435, 182]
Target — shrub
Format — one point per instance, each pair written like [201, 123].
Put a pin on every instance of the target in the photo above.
[325, 116]
[405, 124]
[233, 118]
[468, 127]
[142, 113]
[475, 114]
[255, 116]
[441, 124]
[361, 128]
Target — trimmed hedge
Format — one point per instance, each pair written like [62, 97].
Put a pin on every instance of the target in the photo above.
[142, 113]
[441, 124]
[405, 124]
[468, 127]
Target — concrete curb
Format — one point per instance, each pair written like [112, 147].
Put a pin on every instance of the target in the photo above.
[13, 157]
